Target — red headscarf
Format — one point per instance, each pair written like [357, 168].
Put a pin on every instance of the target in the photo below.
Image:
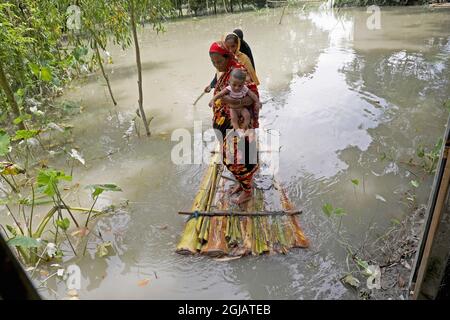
[217, 47]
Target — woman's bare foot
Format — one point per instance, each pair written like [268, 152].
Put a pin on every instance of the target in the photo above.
[236, 189]
[243, 197]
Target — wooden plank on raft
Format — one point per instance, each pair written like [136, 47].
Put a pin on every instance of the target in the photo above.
[242, 213]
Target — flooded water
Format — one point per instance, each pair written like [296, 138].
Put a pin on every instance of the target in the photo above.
[343, 98]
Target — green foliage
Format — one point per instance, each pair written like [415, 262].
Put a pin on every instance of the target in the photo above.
[25, 134]
[41, 72]
[154, 12]
[362, 263]
[327, 208]
[32, 59]
[13, 33]
[430, 157]
[5, 142]
[98, 189]
[24, 242]
[12, 230]
[330, 211]
[103, 19]
[63, 223]
[338, 212]
[447, 105]
[22, 118]
[48, 180]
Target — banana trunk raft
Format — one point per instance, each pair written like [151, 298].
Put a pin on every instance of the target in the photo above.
[267, 224]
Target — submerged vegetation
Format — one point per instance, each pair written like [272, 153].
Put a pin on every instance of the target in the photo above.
[383, 260]
[40, 54]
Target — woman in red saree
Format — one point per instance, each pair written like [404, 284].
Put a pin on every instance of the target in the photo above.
[236, 149]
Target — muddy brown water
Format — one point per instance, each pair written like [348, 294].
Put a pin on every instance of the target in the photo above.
[342, 96]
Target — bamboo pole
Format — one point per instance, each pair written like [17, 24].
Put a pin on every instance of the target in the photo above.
[282, 14]
[299, 239]
[199, 97]
[216, 244]
[188, 243]
[241, 213]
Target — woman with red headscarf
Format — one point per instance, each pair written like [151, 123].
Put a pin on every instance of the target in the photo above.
[236, 148]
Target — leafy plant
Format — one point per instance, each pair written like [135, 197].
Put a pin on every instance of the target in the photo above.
[430, 157]
[96, 191]
[330, 211]
[5, 143]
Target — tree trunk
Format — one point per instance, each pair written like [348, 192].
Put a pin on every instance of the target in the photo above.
[231, 6]
[99, 58]
[180, 7]
[139, 67]
[215, 7]
[10, 96]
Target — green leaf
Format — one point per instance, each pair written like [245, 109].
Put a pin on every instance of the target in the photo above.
[447, 105]
[438, 146]
[98, 189]
[19, 93]
[395, 221]
[25, 134]
[421, 152]
[35, 69]
[59, 254]
[363, 264]
[12, 230]
[63, 224]
[22, 118]
[24, 242]
[4, 201]
[327, 209]
[355, 181]
[415, 183]
[339, 212]
[48, 180]
[78, 52]
[5, 142]
[46, 74]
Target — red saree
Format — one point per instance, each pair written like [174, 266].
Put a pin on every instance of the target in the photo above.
[236, 159]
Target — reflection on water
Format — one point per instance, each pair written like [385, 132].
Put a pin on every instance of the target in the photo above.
[342, 96]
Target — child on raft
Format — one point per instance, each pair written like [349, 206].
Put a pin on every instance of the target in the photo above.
[237, 89]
